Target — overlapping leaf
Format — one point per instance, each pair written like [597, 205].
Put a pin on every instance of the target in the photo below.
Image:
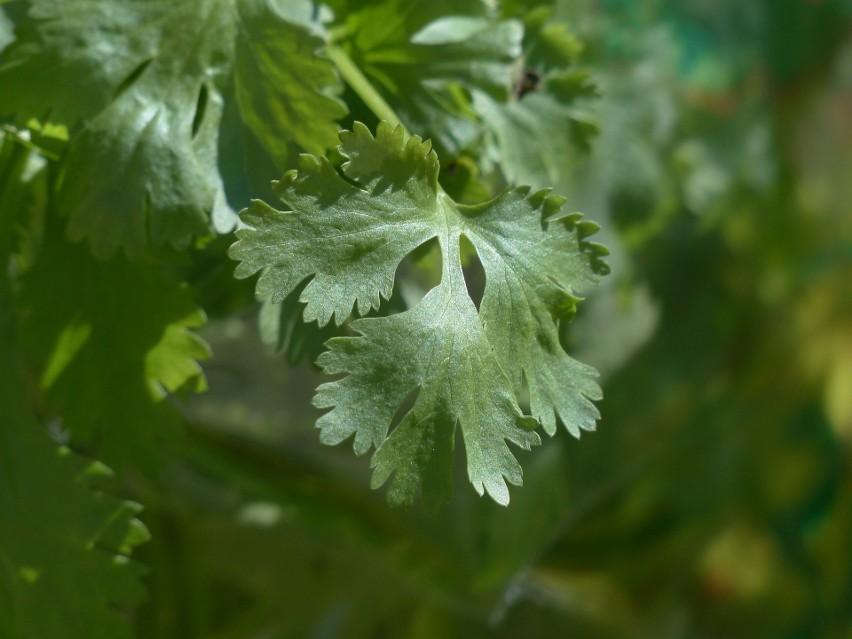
[111, 340]
[64, 566]
[63, 547]
[539, 136]
[282, 85]
[538, 133]
[281, 327]
[144, 81]
[467, 368]
[427, 57]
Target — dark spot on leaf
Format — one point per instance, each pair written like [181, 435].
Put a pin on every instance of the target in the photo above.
[524, 393]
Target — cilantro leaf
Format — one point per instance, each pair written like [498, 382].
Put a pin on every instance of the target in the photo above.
[540, 130]
[6, 30]
[143, 82]
[111, 340]
[348, 234]
[536, 137]
[280, 326]
[282, 85]
[59, 536]
[428, 58]
[63, 546]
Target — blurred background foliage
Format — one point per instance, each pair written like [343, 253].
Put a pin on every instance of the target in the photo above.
[715, 499]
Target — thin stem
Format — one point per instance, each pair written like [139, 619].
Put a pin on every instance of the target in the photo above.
[362, 86]
[22, 139]
[365, 89]
[338, 32]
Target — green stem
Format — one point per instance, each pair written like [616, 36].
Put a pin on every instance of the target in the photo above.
[365, 89]
[362, 86]
[337, 33]
[15, 135]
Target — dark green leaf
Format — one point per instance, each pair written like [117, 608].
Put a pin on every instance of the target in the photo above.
[111, 340]
[64, 565]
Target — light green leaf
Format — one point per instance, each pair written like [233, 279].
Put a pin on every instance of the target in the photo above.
[440, 350]
[281, 84]
[539, 134]
[143, 83]
[530, 275]
[348, 235]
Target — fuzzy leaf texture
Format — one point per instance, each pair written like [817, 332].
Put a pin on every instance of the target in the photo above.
[467, 367]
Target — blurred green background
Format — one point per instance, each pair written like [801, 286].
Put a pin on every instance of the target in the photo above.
[715, 499]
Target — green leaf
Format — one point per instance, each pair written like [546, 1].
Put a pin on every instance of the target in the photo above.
[348, 234]
[61, 576]
[143, 82]
[429, 57]
[64, 569]
[6, 30]
[538, 134]
[281, 327]
[538, 137]
[111, 340]
[285, 101]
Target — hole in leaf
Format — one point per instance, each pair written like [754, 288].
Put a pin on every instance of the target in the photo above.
[404, 408]
[418, 273]
[474, 273]
[429, 251]
[200, 108]
[131, 78]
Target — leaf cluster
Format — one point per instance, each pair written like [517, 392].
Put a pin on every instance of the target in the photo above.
[133, 132]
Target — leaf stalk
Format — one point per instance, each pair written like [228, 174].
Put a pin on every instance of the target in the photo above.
[363, 88]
